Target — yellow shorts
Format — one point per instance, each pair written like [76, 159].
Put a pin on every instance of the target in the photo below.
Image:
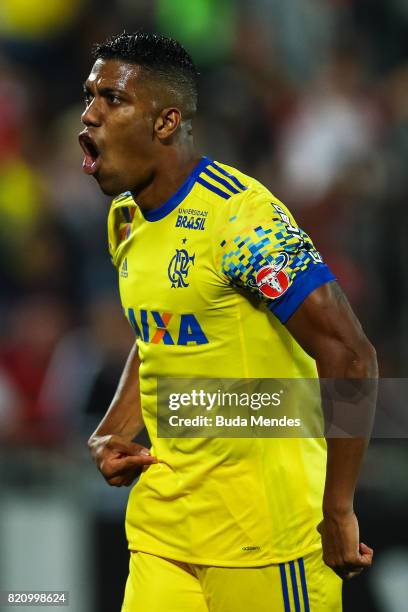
[160, 585]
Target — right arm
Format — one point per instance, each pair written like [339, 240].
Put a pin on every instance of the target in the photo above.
[118, 458]
[327, 329]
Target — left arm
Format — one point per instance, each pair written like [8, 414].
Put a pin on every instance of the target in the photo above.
[327, 329]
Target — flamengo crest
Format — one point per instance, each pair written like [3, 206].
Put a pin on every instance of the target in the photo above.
[179, 267]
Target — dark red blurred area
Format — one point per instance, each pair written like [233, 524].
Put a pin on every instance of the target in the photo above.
[310, 97]
[306, 99]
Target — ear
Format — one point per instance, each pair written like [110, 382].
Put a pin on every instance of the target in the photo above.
[167, 123]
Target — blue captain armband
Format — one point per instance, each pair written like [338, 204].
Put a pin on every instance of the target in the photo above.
[303, 284]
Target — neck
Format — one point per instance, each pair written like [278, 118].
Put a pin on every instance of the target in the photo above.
[168, 175]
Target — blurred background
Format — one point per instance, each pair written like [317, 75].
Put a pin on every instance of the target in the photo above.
[308, 96]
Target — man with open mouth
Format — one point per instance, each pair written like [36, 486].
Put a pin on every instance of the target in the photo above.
[218, 282]
[91, 161]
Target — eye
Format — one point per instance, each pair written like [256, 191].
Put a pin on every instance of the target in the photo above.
[88, 97]
[113, 99]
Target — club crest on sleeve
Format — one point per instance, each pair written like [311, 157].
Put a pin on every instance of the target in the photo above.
[272, 281]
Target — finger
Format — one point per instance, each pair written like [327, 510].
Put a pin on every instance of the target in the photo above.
[143, 455]
[127, 448]
[129, 463]
[119, 467]
[136, 449]
[116, 481]
[132, 476]
[126, 478]
[346, 573]
[350, 575]
[365, 560]
[128, 466]
[130, 448]
[139, 460]
[357, 564]
[122, 481]
[365, 550]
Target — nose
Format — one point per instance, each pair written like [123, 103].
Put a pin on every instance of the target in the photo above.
[91, 115]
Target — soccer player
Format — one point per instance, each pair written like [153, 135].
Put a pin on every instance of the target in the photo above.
[217, 280]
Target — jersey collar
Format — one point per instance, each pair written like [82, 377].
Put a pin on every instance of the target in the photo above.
[164, 209]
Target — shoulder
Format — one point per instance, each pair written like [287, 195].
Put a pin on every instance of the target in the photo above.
[122, 201]
[120, 219]
[251, 200]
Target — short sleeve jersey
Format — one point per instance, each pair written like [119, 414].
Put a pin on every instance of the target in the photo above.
[207, 281]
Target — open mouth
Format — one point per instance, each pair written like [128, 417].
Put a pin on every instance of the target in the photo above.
[92, 158]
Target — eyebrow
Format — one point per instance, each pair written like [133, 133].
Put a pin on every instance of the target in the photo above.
[105, 90]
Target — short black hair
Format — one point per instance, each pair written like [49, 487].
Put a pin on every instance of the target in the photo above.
[161, 57]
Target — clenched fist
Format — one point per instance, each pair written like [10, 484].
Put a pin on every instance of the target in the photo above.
[119, 461]
[342, 549]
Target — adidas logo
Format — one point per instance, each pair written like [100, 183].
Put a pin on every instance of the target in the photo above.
[124, 269]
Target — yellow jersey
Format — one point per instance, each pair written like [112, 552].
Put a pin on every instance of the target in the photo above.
[207, 281]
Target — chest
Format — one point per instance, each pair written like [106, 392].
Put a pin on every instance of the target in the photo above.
[168, 279]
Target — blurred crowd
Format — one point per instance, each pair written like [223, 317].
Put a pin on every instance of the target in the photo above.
[308, 96]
